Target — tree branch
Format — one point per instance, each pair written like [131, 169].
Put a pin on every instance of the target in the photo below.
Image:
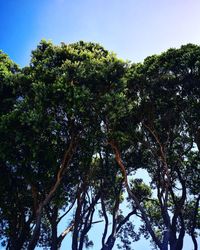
[132, 195]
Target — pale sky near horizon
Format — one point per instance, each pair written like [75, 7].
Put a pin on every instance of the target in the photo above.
[133, 29]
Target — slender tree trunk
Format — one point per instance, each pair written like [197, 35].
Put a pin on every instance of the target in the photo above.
[194, 242]
[133, 196]
[109, 243]
[177, 244]
[54, 243]
[173, 239]
[194, 224]
[14, 245]
[36, 234]
[63, 168]
[180, 239]
[166, 237]
[77, 223]
[106, 222]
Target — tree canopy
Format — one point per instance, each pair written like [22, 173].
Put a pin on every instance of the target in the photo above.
[76, 126]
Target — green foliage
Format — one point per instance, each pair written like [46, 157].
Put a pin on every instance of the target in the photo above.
[83, 92]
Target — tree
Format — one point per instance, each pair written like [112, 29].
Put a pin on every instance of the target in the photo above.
[167, 82]
[53, 124]
[76, 124]
[15, 215]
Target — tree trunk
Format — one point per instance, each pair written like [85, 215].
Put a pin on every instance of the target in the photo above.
[54, 240]
[180, 240]
[33, 243]
[166, 238]
[109, 243]
[194, 242]
[177, 244]
[14, 245]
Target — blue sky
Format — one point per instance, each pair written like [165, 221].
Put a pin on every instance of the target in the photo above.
[134, 29]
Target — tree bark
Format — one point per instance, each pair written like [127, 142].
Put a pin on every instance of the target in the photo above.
[133, 196]
[109, 243]
[54, 240]
[194, 224]
[63, 168]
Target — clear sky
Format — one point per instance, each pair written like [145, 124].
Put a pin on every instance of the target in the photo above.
[134, 29]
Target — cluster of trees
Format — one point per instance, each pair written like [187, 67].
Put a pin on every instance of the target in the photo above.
[76, 125]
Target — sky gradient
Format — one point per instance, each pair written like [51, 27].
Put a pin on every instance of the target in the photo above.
[133, 29]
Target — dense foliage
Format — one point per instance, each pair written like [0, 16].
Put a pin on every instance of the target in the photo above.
[80, 129]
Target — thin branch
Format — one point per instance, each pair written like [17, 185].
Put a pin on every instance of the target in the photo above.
[64, 233]
[125, 219]
[106, 221]
[69, 209]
